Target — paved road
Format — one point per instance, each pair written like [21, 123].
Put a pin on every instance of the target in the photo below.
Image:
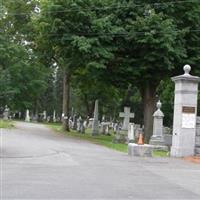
[39, 164]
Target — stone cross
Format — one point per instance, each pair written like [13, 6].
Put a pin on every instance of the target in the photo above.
[185, 112]
[157, 137]
[27, 119]
[126, 115]
[95, 125]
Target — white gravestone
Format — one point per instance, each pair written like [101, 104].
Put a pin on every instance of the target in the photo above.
[27, 119]
[127, 115]
[54, 116]
[131, 132]
[95, 125]
[185, 111]
[44, 115]
[104, 129]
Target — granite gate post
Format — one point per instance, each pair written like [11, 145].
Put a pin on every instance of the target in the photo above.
[185, 112]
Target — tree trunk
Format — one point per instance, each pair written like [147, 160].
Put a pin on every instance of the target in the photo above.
[148, 94]
[66, 94]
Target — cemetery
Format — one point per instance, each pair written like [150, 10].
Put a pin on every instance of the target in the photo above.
[181, 141]
[99, 99]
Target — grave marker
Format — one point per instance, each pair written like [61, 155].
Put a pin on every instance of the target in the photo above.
[127, 115]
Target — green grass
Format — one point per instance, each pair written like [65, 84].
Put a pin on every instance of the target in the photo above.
[158, 153]
[6, 124]
[103, 140]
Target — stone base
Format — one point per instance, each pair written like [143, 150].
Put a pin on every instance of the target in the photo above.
[145, 150]
[157, 141]
[181, 152]
[161, 147]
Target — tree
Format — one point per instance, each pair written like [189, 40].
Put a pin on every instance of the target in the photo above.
[65, 27]
[147, 52]
[23, 77]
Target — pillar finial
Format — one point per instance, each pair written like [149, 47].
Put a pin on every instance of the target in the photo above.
[187, 69]
[159, 104]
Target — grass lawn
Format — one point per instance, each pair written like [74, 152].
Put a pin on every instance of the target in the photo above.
[6, 124]
[158, 153]
[101, 140]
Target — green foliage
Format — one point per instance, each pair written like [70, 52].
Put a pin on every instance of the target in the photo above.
[22, 75]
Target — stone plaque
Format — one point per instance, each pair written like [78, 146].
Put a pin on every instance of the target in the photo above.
[188, 120]
[187, 109]
[188, 117]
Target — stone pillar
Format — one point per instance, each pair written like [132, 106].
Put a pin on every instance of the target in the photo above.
[185, 111]
[95, 125]
[157, 137]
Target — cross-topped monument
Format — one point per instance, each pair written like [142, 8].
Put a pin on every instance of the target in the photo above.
[127, 115]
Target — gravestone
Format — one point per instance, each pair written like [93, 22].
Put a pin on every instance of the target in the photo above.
[74, 126]
[185, 111]
[116, 127]
[6, 113]
[85, 123]
[95, 125]
[127, 115]
[79, 124]
[48, 119]
[131, 132]
[70, 123]
[104, 129]
[157, 138]
[54, 116]
[27, 118]
[44, 115]
[20, 115]
[90, 122]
